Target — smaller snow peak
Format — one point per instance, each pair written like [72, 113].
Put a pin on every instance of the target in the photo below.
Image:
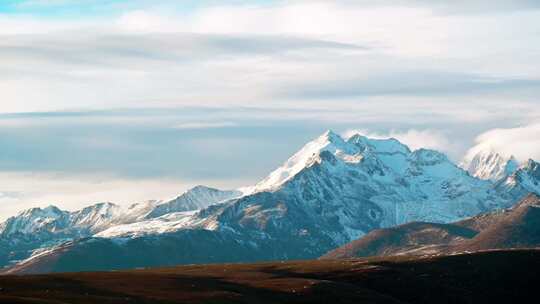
[428, 157]
[197, 198]
[328, 138]
[102, 208]
[532, 168]
[102, 205]
[49, 211]
[377, 145]
[200, 188]
[202, 192]
[531, 165]
[490, 165]
[331, 136]
[526, 179]
[35, 219]
[360, 141]
[52, 208]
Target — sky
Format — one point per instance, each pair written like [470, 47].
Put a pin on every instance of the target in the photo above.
[125, 101]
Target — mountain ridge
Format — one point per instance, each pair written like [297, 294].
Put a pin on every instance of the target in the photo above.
[331, 192]
[33, 230]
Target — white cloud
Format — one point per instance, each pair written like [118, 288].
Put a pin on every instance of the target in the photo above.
[152, 57]
[521, 142]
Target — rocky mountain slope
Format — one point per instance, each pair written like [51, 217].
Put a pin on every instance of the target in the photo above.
[331, 192]
[516, 227]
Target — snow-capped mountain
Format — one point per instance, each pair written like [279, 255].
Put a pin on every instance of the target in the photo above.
[39, 228]
[345, 188]
[351, 187]
[36, 228]
[196, 198]
[490, 165]
[164, 217]
[37, 222]
[331, 192]
[526, 179]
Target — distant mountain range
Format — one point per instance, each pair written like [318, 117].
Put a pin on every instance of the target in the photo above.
[333, 191]
[35, 230]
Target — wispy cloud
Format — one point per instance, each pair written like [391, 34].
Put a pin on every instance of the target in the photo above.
[521, 142]
[273, 53]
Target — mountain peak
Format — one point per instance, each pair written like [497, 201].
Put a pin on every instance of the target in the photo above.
[532, 169]
[328, 141]
[200, 188]
[49, 211]
[196, 198]
[526, 179]
[531, 164]
[429, 156]
[490, 165]
[331, 136]
[387, 145]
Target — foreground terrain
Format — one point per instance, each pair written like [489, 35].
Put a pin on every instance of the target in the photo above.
[484, 277]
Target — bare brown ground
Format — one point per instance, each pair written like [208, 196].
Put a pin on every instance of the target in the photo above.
[485, 277]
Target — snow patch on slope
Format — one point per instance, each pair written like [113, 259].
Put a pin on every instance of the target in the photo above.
[167, 223]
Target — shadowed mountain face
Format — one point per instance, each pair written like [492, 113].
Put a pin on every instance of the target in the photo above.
[517, 227]
[486, 277]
